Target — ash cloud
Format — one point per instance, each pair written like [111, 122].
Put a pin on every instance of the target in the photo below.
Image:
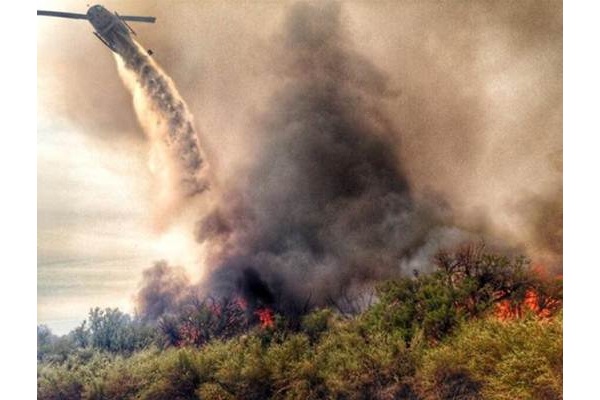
[480, 107]
[327, 204]
[327, 182]
[163, 290]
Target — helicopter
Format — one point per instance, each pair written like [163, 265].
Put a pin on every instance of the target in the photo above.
[110, 28]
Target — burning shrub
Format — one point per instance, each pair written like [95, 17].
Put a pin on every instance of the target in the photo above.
[543, 299]
[466, 284]
[480, 278]
[429, 336]
[202, 321]
[265, 316]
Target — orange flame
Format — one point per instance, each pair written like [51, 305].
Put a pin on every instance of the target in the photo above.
[265, 315]
[534, 302]
[506, 310]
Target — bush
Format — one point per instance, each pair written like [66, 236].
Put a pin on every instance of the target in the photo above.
[202, 321]
[428, 337]
[175, 377]
[293, 369]
[244, 371]
[520, 359]
[466, 284]
[57, 383]
[408, 306]
[316, 323]
[354, 363]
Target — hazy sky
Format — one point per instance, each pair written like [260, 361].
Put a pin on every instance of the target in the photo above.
[95, 230]
[477, 98]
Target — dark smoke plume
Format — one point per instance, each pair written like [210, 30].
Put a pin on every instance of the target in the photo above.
[162, 291]
[348, 175]
[326, 206]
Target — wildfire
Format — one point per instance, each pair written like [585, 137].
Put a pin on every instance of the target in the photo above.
[241, 303]
[265, 315]
[506, 310]
[541, 304]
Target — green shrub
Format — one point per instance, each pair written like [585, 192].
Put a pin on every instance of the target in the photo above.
[316, 323]
[428, 337]
[174, 376]
[520, 359]
[409, 305]
[213, 391]
[293, 369]
[244, 371]
[355, 363]
[57, 383]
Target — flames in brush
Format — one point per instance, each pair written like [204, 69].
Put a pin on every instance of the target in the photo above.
[326, 203]
[202, 321]
[542, 301]
[265, 316]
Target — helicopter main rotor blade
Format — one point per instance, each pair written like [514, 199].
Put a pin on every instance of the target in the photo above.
[62, 14]
[137, 19]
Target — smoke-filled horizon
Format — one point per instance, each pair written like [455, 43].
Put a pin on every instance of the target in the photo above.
[326, 207]
[349, 141]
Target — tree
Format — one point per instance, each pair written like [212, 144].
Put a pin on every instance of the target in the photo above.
[45, 341]
[81, 335]
[480, 278]
[465, 284]
[114, 331]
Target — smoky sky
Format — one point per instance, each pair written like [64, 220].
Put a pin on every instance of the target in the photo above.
[348, 139]
[327, 204]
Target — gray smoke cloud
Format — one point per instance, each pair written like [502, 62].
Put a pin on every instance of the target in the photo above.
[480, 110]
[163, 290]
[361, 138]
[327, 205]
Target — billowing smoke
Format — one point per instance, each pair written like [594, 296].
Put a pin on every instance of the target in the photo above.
[176, 157]
[326, 207]
[162, 291]
[350, 173]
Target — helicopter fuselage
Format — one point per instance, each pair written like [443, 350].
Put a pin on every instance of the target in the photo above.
[111, 30]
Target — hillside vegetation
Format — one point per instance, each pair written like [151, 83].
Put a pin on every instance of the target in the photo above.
[482, 326]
